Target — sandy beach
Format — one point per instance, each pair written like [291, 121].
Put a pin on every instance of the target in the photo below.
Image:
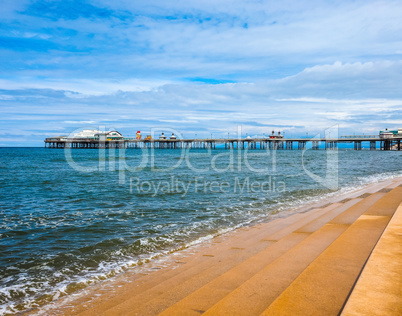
[306, 261]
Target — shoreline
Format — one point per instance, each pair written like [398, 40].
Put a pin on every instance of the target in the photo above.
[117, 287]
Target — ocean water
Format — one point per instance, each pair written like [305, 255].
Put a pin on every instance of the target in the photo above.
[70, 219]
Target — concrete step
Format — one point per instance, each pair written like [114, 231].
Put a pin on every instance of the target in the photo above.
[218, 288]
[254, 295]
[376, 187]
[326, 283]
[162, 295]
[201, 299]
[205, 259]
[378, 290]
[153, 293]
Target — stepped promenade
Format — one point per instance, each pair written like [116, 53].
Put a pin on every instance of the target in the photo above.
[339, 256]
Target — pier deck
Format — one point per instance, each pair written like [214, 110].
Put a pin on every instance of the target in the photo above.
[229, 143]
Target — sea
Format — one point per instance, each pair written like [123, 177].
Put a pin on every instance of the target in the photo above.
[72, 218]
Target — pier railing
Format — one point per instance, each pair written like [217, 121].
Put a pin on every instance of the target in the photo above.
[359, 136]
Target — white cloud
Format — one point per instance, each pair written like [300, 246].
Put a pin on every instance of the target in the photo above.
[82, 86]
[80, 122]
[206, 38]
[380, 79]
[296, 66]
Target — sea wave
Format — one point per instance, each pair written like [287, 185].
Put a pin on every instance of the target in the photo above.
[89, 228]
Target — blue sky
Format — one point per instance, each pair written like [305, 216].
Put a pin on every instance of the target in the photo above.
[200, 67]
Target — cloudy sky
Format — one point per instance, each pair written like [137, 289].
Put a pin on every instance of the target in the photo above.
[198, 66]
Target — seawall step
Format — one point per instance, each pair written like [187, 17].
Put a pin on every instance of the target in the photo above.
[154, 293]
[167, 294]
[325, 285]
[253, 296]
[378, 290]
[198, 271]
[258, 292]
[191, 264]
[171, 291]
[217, 289]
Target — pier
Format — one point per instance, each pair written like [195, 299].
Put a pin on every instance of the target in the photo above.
[375, 142]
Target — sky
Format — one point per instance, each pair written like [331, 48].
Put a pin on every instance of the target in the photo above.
[200, 67]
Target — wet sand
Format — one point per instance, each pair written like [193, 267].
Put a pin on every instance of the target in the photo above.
[306, 261]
